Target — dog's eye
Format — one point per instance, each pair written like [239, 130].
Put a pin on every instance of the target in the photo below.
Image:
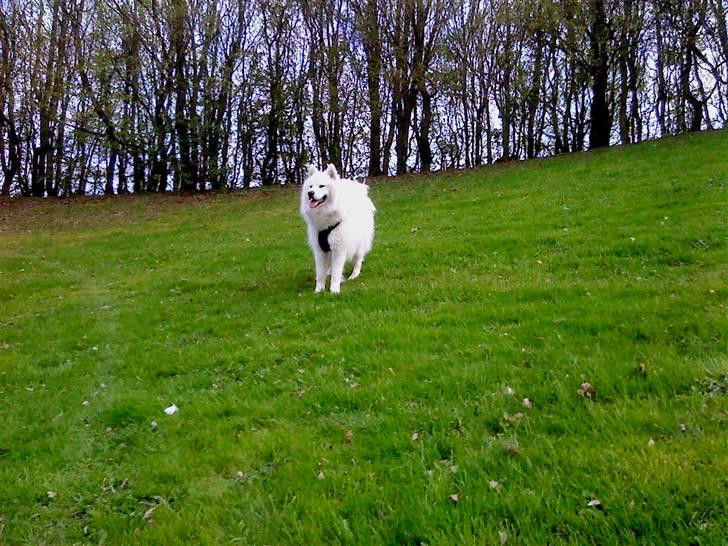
[321, 186]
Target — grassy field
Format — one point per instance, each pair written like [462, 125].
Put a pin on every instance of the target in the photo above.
[396, 412]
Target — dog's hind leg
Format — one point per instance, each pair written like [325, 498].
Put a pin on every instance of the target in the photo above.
[337, 270]
[358, 260]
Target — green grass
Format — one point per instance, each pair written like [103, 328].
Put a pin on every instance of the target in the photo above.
[311, 418]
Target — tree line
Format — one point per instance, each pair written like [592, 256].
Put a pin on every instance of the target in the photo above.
[117, 96]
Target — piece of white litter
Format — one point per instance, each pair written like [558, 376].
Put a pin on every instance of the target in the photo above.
[594, 503]
[171, 410]
[85, 403]
[503, 536]
[153, 424]
[650, 442]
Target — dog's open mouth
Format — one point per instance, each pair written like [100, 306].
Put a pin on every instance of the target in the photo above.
[313, 203]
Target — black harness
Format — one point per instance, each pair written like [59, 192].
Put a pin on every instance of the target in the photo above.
[323, 237]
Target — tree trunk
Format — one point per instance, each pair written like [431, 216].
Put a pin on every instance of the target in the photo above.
[691, 30]
[138, 172]
[7, 102]
[661, 99]
[110, 168]
[371, 42]
[600, 116]
[404, 121]
[423, 135]
[186, 169]
[122, 187]
[534, 95]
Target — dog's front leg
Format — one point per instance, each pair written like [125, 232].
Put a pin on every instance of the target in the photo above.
[323, 263]
[337, 270]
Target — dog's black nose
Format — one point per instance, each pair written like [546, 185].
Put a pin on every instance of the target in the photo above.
[310, 195]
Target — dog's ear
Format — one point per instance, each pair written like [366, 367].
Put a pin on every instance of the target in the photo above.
[310, 171]
[331, 172]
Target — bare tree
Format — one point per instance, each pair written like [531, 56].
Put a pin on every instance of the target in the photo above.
[137, 96]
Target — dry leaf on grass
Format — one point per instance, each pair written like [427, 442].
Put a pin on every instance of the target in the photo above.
[513, 418]
[149, 512]
[595, 503]
[300, 393]
[512, 448]
[587, 390]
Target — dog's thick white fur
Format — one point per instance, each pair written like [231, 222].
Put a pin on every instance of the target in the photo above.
[326, 201]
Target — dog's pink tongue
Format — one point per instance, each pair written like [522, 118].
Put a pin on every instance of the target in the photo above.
[312, 204]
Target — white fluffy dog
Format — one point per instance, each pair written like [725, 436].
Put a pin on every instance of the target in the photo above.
[340, 220]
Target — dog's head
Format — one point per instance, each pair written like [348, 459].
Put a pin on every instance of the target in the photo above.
[319, 187]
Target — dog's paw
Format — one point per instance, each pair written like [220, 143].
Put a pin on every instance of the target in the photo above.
[319, 288]
[353, 276]
[335, 289]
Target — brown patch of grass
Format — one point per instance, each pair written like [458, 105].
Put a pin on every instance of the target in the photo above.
[18, 214]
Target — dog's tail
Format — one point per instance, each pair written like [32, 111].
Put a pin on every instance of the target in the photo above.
[364, 185]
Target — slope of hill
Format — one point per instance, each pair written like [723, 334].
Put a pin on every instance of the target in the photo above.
[438, 399]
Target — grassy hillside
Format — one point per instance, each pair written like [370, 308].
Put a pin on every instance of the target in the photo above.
[393, 413]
